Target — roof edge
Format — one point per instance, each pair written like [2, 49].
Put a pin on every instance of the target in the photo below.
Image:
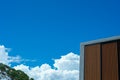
[101, 40]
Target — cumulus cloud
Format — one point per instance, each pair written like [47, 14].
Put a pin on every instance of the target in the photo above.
[67, 62]
[65, 68]
[5, 58]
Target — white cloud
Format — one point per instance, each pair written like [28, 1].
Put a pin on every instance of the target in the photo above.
[5, 58]
[67, 62]
[66, 68]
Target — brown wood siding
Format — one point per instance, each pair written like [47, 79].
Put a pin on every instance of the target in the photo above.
[92, 62]
[109, 61]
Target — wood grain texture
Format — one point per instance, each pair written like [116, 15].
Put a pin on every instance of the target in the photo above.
[109, 61]
[92, 62]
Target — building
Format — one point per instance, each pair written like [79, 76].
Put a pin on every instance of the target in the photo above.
[100, 59]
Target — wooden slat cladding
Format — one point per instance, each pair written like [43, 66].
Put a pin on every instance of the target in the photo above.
[109, 61]
[92, 62]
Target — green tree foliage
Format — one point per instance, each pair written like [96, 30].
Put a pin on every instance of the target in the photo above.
[14, 74]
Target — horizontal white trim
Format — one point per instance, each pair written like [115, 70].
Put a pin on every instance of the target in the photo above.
[101, 40]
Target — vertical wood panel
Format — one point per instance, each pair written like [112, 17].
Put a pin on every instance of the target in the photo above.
[92, 62]
[109, 61]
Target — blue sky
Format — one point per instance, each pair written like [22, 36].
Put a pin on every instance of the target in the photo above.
[46, 29]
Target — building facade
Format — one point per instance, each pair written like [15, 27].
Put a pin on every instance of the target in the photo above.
[100, 59]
